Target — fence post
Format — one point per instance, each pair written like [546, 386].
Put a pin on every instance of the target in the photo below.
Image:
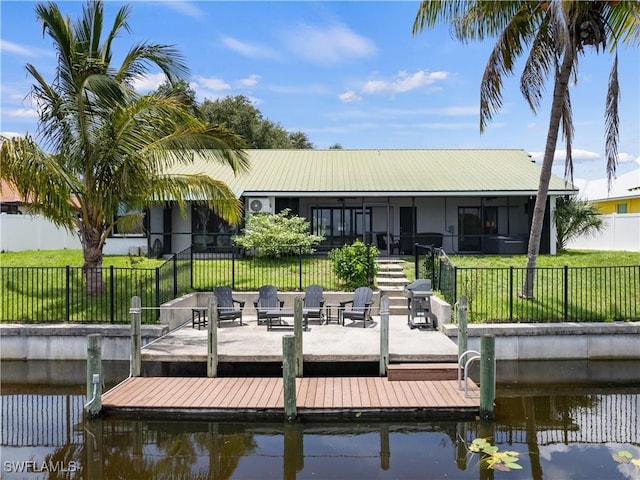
[487, 376]
[416, 261]
[157, 289]
[511, 292]
[136, 337]
[432, 251]
[212, 338]
[94, 375]
[112, 302]
[191, 272]
[289, 376]
[175, 276]
[300, 267]
[566, 293]
[233, 266]
[384, 335]
[462, 326]
[455, 282]
[297, 331]
[67, 300]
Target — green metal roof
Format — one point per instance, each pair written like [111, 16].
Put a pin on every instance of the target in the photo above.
[382, 173]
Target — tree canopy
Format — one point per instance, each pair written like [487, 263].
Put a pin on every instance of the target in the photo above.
[239, 115]
[552, 35]
[104, 146]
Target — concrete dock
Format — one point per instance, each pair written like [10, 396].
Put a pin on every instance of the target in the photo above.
[333, 342]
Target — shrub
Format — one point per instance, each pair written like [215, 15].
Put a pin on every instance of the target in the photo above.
[277, 235]
[354, 264]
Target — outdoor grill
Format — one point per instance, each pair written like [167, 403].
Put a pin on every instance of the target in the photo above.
[418, 295]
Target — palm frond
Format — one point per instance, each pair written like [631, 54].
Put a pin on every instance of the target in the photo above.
[431, 12]
[612, 122]
[540, 63]
[200, 189]
[567, 133]
[141, 56]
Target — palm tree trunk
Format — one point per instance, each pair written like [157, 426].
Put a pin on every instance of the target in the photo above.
[92, 253]
[537, 222]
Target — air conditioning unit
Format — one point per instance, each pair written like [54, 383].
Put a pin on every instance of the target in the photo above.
[259, 205]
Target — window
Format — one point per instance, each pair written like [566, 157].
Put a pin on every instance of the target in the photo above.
[130, 222]
[621, 208]
[208, 230]
[473, 224]
[339, 225]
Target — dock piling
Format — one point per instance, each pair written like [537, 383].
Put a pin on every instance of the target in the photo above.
[462, 325]
[212, 338]
[487, 376]
[297, 330]
[289, 376]
[136, 336]
[384, 335]
[94, 375]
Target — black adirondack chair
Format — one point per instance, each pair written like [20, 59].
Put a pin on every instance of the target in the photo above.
[267, 301]
[227, 309]
[313, 305]
[360, 310]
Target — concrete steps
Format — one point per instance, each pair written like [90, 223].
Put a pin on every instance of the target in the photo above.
[422, 371]
[391, 281]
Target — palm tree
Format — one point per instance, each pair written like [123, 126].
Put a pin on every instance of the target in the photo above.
[108, 145]
[574, 217]
[555, 33]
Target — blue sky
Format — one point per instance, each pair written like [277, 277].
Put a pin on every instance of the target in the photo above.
[342, 72]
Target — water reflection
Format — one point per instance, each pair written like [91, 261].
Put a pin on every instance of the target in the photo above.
[557, 432]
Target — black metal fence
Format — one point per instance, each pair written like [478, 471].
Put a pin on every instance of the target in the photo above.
[58, 294]
[248, 270]
[560, 294]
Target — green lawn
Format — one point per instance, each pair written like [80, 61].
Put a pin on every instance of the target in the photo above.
[73, 258]
[577, 258]
[577, 285]
[488, 282]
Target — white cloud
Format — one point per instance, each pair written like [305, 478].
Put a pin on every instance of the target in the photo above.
[625, 158]
[331, 45]
[560, 156]
[148, 82]
[186, 8]
[250, 50]
[250, 81]
[10, 47]
[215, 84]
[349, 97]
[11, 134]
[21, 113]
[404, 82]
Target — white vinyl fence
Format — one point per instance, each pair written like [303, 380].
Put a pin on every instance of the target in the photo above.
[34, 232]
[620, 232]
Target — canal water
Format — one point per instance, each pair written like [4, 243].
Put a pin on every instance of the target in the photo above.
[554, 421]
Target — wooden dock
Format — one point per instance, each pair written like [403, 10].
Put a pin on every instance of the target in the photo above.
[263, 397]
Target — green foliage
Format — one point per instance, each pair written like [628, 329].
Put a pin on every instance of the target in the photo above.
[493, 458]
[354, 264]
[277, 235]
[625, 457]
[573, 218]
[110, 145]
[240, 116]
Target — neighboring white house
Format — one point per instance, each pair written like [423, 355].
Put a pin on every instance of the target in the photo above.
[620, 208]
